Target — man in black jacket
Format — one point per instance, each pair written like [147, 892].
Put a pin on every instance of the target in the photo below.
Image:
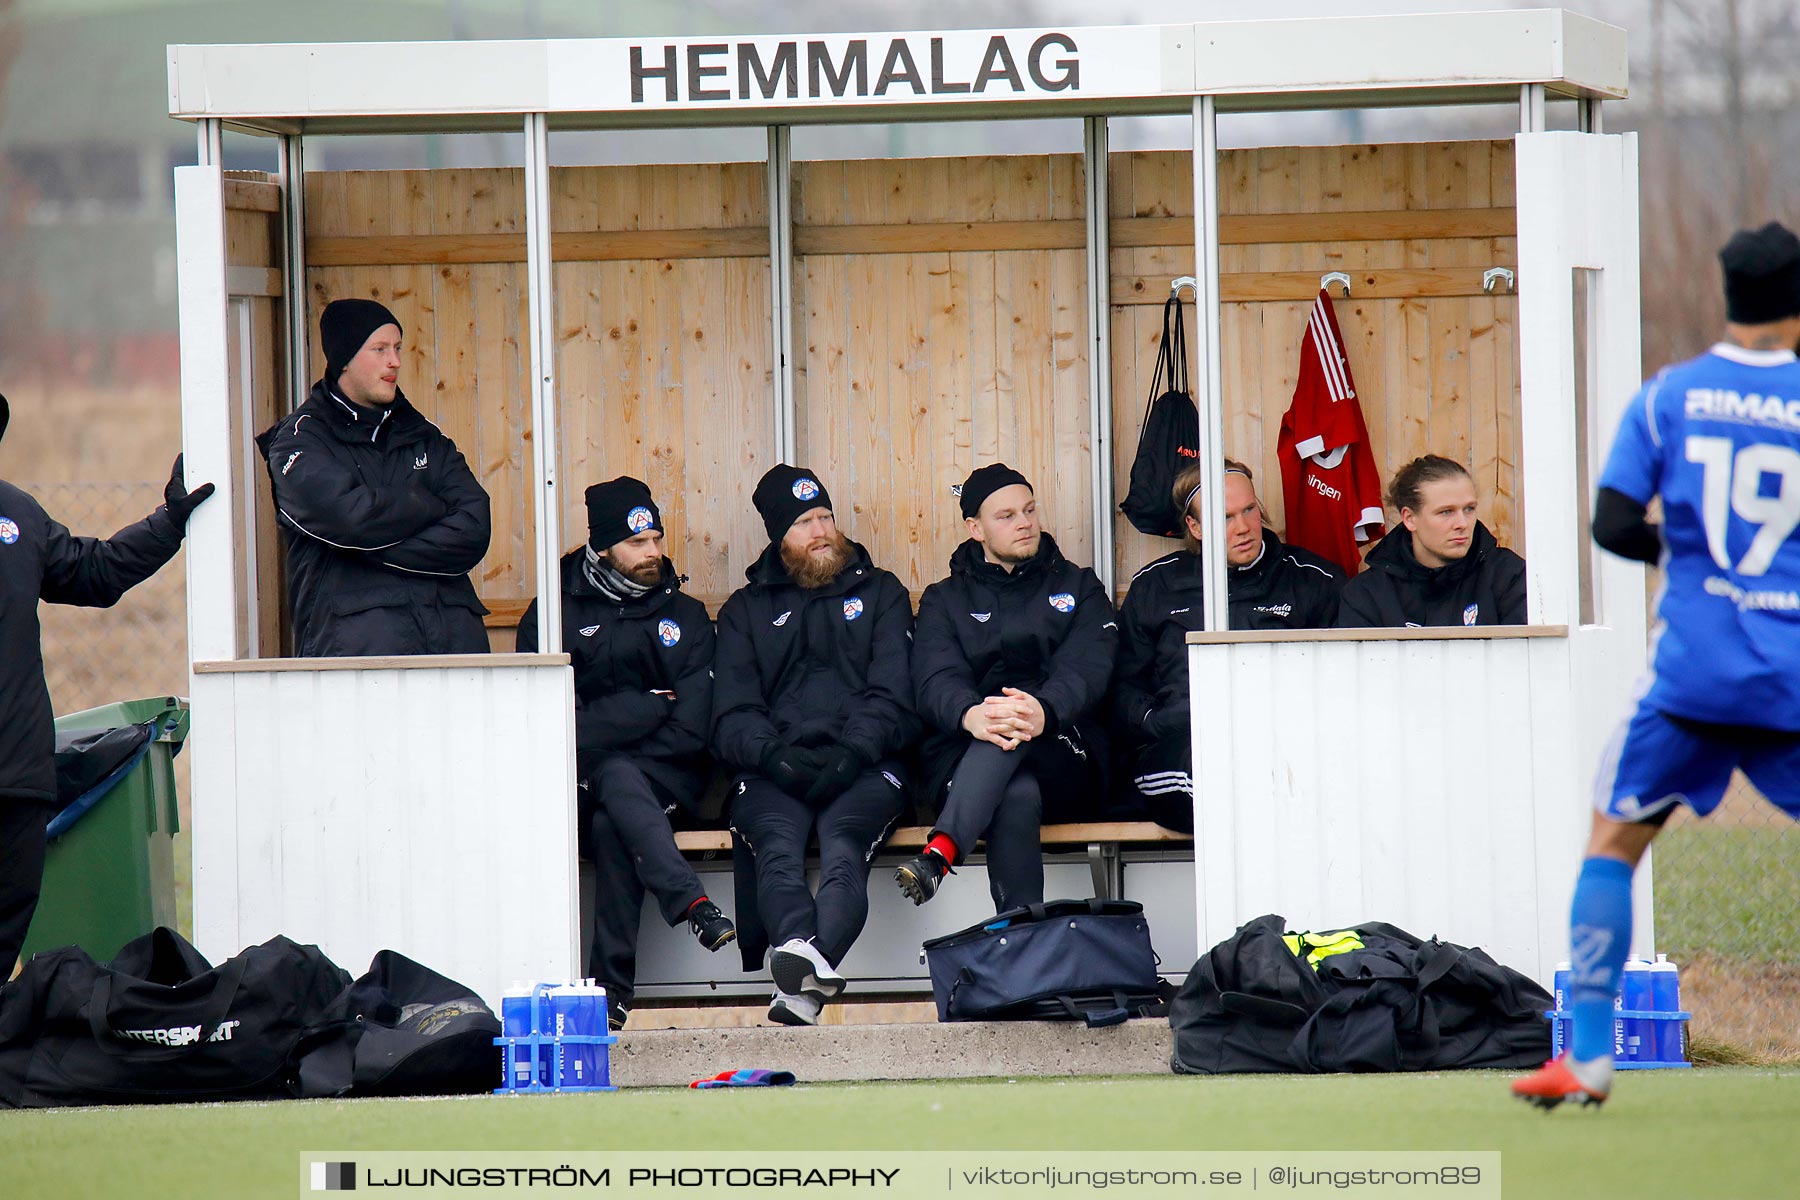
[1013, 655]
[1443, 567]
[41, 560]
[383, 518]
[812, 706]
[1270, 585]
[642, 650]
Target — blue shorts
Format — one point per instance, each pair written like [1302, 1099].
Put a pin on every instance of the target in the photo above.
[1652, 764]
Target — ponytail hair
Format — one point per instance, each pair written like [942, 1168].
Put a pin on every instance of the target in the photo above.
[1408, 481]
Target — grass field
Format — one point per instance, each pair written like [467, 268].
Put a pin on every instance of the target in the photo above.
[1726, 1132]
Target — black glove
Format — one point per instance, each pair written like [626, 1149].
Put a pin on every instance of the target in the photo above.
[182, 502]
[792, 768]
[842, 765]
[1168, 721]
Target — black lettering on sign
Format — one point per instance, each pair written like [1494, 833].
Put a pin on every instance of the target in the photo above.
[899, 67]
[998, 63]
[818, 62]
[939, 86]
[639, 73]
[697, 73]
[750, 65]
[1070, 67]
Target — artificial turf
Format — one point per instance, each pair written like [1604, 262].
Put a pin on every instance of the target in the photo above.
[1723, 1132]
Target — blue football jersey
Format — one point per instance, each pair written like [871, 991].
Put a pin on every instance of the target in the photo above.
[1718, 437]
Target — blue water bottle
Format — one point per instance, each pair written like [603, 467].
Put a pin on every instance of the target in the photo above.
[1561, 1024]
[515, 1021]
[1639, 1032]
[579, 1010]
[1665, 997]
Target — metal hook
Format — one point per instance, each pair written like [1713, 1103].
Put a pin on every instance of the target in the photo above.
[1331, 277]
[1492, 273]
[1185, 281]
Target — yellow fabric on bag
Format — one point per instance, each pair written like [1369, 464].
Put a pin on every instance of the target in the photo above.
[1322, 945]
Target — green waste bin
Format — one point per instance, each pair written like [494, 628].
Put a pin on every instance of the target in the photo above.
[111, 876]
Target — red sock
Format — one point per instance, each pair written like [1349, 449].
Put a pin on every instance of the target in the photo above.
[941, 845]
[694, 905]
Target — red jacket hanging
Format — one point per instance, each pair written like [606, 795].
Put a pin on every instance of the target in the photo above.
[1328, 473]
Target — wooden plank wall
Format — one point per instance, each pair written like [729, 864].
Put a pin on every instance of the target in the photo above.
[662, 338]
[1434, 372]
[940, 312]
[917, 367]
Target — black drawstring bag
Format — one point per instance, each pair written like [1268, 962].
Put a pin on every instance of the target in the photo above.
[1067, 960]
[1169, 441]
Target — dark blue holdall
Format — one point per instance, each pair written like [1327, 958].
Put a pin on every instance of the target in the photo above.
[1065, 960]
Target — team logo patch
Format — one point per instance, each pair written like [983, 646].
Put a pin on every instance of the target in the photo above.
[984, 618]
[9, 530]
[420, 462]
[853, 608]
[590, 631]
[1471, 614]
[638, 519]
[292, 459]
[1063, 602]
[668, 632]
[782, 619]
[805, 489]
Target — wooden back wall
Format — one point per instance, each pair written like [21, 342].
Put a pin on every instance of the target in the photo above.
[940, 323]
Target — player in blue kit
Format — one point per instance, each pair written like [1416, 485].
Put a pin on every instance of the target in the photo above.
[1718, 438]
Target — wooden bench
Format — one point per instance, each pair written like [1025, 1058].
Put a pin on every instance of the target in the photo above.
[1103, 840]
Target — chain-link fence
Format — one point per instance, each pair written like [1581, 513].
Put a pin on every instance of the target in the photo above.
[1727, 889]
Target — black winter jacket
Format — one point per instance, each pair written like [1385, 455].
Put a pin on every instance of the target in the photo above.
[1484, 587]
[41, 560]
[1285, 588]
[660, 641]
[384, 521]
[814, 667]
[1046, 628]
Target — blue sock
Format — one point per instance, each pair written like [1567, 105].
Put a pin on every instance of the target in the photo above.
[1599, 939]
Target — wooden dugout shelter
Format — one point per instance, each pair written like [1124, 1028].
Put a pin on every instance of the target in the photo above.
[894, 323]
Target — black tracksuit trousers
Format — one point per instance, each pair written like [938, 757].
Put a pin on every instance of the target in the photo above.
[21, 873]
[1002, 797]
[851, 830]
[633, 848]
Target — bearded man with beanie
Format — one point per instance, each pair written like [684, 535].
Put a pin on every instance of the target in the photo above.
[1013, 655]
[383, 518]
[812, 707]
[40, 560]
[642, 650]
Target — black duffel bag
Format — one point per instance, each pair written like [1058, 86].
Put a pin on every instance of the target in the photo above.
[160, 1023]
[404, 1030]
[1070, 960]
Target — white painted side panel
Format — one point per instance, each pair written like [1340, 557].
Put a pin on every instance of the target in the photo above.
[206, 410]
[426, 810]
[1434, 785]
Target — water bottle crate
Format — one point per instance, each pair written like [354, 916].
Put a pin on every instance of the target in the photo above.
[1665, 1029]
[555, 1039]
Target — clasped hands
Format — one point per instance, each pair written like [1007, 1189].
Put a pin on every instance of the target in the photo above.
[1006, 720]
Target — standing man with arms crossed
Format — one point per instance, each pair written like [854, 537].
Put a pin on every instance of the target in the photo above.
[383, 518]
[41, 560]
[1013, 656]
[642, 650]
[812, 705]
[1718, 438]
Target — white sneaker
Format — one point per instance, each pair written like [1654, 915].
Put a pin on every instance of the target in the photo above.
[799, 968]
[794, 1010]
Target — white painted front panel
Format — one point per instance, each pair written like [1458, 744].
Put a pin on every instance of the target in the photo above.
[1421, 783]
[424, 810]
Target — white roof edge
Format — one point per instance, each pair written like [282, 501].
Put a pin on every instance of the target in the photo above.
[725, 79]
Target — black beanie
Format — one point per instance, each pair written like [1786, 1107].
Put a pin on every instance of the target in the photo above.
[783, 493]
[620, 509]
[984, 482]
[5, 415]
[1762, 275]
[345, 325]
